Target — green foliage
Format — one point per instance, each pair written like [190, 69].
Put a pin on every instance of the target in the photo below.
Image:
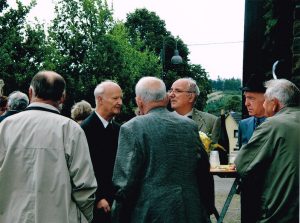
[86, 46]
[18, 43]
[232, 84]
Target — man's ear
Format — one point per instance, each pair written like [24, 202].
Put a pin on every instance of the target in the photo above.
[30, 93]
[63, 98]
[192, 97]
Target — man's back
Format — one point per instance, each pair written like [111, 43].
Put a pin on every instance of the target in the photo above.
[44, 161]
[272, 154]
[162, 167]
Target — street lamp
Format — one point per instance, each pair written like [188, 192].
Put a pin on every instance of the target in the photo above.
[176, 59]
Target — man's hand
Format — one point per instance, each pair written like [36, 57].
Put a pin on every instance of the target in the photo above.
[103, 204]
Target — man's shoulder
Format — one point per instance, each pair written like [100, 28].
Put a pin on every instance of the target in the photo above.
[196, 112]
[246, 121]
[90, 120]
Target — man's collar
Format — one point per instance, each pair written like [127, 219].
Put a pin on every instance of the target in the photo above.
[104, 122]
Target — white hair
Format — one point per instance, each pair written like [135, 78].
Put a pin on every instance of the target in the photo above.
[100, 88]
[150, 89]
[285, 91]
[17, 100]
[192, 85]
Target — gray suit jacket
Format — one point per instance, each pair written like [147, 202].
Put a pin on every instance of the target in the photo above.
[157, 170]
[207, 123]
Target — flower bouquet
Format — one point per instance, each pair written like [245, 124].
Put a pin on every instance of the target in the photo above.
[208, 143]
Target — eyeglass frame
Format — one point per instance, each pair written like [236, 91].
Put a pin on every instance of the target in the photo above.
[176, 91]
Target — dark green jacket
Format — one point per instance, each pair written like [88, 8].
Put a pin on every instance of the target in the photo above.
[158, 168]
[272, 156]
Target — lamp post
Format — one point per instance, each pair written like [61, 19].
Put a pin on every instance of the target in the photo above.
[176, 59]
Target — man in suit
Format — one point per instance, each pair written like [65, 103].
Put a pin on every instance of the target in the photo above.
[254, 98]
[183, 95]
[272, 156]
[102, 134]
[17, 101]
[159, 163]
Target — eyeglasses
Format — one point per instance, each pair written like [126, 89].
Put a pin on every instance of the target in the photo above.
[176, 91]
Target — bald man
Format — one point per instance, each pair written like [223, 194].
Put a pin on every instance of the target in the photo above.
[45, 168]
[102, 133]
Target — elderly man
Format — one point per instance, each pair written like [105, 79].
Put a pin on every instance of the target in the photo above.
[183, 95]
[45, 167]
[254, 98]
[272, 155]
[159, 163]
[17, 101]
[102, 133]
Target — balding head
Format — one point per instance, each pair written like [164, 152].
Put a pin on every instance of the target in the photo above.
[150, 89]
[48, 85]
[150, 93]
[108, 97]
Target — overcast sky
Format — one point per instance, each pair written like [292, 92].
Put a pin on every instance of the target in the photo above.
[212, 29]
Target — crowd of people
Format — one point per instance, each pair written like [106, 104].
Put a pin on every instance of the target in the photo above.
[153, 168]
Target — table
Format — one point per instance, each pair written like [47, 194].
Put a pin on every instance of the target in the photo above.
[226, 173]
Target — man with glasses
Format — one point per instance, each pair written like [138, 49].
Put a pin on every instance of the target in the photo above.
[183, 95]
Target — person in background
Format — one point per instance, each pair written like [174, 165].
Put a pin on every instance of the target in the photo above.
[159, 162]
[102, 133]
[80, 111]
[254, 98]
[3, 104]
[272, 155]
[45, 167]
[183, 95]
[17, 101]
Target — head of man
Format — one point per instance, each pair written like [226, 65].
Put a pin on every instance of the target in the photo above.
[150, 93]
[254, 96]
[280, 93]
[108, 97]
[17, 101]
[183, 95]
[47, 87]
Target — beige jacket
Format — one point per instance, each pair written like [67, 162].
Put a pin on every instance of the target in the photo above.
[46, 173]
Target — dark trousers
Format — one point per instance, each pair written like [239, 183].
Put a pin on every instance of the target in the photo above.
[101, 217]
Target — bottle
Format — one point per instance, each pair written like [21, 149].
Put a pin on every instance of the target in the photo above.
[223, 140]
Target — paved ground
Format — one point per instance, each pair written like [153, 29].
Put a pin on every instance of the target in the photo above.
[222, 188]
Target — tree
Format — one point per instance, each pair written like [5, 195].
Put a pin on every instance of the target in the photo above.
[89, 47]
[21, 47]
[148, 31]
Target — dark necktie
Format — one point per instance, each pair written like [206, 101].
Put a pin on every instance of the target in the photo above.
[257, 123]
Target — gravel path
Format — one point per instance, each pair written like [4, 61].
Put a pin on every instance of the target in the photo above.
[222, 188]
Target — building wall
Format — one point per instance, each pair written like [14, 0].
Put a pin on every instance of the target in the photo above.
[232, 131]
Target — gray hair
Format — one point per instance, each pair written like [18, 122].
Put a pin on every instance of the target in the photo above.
[99, 90]
[192, 85]
[150, 89]
[81, 110]
[285, 91]
[17, 100]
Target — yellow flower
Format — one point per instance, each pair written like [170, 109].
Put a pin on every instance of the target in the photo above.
[207, 142]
